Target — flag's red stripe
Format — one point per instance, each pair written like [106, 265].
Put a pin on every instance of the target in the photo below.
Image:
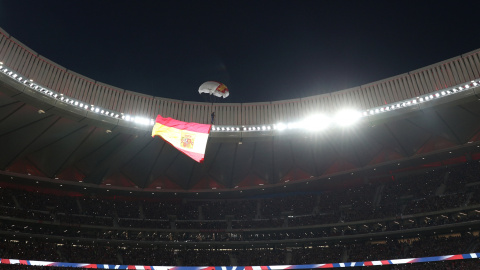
[455, 257]
[195, 127]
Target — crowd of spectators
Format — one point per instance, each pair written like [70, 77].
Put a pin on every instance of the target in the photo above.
[309, 254]
[178, 235]
[407, 195]
[408, 202]
[410, 194]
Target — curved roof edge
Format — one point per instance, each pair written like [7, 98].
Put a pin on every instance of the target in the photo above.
[426, 80]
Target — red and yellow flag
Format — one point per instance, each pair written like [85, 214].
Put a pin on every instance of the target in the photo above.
[189, 138]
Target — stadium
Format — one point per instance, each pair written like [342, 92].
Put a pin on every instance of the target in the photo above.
[391, 183]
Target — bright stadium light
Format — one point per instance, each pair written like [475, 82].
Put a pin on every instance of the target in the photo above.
[347, 117]
[293, 125]
[316, 122]
[281, 126]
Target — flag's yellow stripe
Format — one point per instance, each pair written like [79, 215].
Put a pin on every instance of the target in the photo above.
[174, 137]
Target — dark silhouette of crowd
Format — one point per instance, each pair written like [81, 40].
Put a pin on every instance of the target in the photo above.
[78, 227]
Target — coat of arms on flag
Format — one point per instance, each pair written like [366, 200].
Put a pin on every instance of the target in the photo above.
[188, 140]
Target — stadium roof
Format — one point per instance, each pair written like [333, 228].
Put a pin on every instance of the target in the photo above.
[55, 144]
[45, 137]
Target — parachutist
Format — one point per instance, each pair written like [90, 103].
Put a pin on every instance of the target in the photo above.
[213, 117]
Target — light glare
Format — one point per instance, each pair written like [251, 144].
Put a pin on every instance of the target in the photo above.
[347, 117]
[316, 122]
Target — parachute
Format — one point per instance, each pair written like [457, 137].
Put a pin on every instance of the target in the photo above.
[214, 89]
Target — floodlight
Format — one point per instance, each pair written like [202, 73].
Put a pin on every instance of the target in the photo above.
[281, 126]
[316, 122]
[347, 117]
[292, 125]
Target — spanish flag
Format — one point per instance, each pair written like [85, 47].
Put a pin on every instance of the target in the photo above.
[189, 138]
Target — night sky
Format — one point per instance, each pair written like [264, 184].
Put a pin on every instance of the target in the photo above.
[262, 50]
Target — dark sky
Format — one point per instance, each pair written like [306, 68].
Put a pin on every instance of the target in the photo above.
[262, 50]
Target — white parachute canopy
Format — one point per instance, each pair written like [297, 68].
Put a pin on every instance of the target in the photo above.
[214, 88]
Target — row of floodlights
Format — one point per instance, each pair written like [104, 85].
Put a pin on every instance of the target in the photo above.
[421, 99]
[348, 117]
[315, 122]
[73, 102]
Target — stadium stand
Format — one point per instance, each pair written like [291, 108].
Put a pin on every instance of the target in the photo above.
[424, 213]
